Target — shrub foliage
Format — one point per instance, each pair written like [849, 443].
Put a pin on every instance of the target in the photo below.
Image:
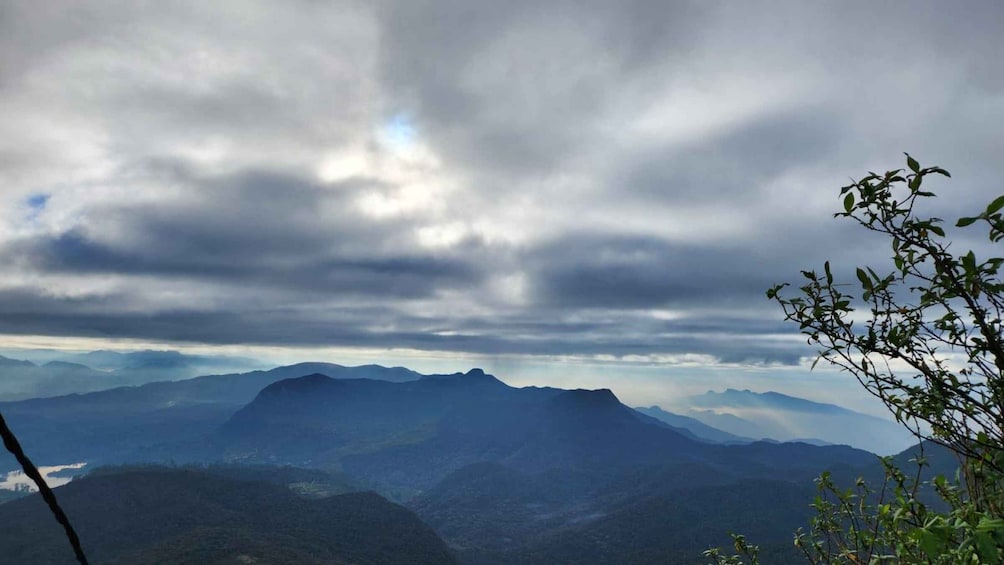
[924, 335]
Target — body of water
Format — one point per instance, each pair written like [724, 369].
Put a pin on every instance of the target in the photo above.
[17, 480]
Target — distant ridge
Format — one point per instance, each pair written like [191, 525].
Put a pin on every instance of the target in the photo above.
[160, 421]
[694, 426]
[8, 362]
[747, 398]
[782, 417]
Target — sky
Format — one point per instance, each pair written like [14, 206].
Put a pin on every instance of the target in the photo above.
[578, 193]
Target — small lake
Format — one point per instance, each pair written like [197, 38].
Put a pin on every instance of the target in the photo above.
[55, 475]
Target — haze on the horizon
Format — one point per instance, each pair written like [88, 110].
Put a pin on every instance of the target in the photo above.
[608, 187]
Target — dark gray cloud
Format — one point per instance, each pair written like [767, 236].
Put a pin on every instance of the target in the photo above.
[569, 178]
[24, 312]
[749, 155]
[590, 270]
[252, 228]
[516, 88]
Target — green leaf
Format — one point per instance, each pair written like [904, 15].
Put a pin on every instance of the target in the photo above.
[849, 202]
[963, 222]
[988, 524]
[912, 163]
[929, 542]
[986, 548]
[937, 230]
[969, 262]
[829, 275]
[866, 283]
[996, 205]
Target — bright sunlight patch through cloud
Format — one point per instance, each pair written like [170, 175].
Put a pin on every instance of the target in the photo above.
[399, 132]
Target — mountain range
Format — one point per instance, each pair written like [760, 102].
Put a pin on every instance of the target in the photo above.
[438, 424]
[502, 474]
[160, 421]
[54, 373]
[779, 417]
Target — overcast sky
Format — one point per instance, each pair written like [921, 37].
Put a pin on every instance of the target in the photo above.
[515, 182]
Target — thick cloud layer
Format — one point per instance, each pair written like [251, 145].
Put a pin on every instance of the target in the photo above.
[619, 180]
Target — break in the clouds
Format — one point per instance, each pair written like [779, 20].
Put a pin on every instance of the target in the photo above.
[617, 180]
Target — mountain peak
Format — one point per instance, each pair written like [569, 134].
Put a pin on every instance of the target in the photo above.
[473, 376]
[479, 375]
[15, 362]
[298, 385]
[581, 400]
